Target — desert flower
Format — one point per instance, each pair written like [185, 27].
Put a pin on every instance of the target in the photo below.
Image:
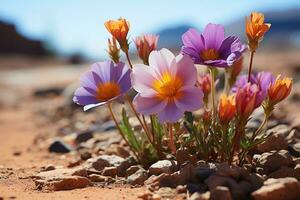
[105, 82]
[211, 47]
[167, 86]
[144, 45]
[226, 108]
[279, 90]
[256, 28]
[119, 30]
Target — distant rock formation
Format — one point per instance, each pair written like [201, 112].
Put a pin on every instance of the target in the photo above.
[12, 42]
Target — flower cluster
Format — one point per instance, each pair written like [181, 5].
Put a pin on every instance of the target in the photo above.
[173, 102]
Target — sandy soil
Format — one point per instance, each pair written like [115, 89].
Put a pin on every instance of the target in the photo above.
[19, 158]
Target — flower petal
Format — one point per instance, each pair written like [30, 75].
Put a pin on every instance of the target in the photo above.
[186, 70]
[162, 61]
[192, 99]
[142, 78]
[83, 97]
[213, 36]
[193, 39]
[148, 105]
[171, 113]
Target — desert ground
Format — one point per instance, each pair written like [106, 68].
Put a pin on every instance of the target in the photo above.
[32, 105]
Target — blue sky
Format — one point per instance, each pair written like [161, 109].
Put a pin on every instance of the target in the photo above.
[77, 25]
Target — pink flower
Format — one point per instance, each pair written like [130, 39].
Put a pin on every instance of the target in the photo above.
[245, 99]
[167, 86]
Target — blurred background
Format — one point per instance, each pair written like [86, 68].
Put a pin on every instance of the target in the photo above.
[52, 42]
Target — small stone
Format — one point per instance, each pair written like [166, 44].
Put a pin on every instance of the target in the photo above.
[274, 142]
[163, 166]
[58, 146]
[294, 149]
[215, 181]
[203, 173]
[98, 178]
[132, 169]
[17, 153]
[272, 161]
[220, 192]
[229, 171]
[110, 171]
[138, 178]
[285, 172]
[198, 196]
[278, 189]
[62, 179]
[83, 136]
[281, 129]
[84, 155]
[181, 189]
[256, 181]
[48, 168]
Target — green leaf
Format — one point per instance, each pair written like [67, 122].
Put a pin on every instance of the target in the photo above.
[128, 132]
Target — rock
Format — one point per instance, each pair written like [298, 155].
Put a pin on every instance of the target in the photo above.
[17, 153]
[272, 161]
[183, 156]
[226, 170]
[285, 172]
[48, 168]
[163, 166]
[132, 169]
[281, 129]
[100, 162]
[181, 189]
[256, 181]
[220, 192]
[84, 136]
[84, 155]
[294, 149]
[62, 179]
[213, 181]
[58, 146]
[98, 178]
[110, 171]
[165, 193]
[199, 196]
[278, 189]
[274, 142]
[202, 174]
[172, 180]
[138, 177]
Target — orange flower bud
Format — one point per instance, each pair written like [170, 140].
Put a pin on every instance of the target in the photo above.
[280, 89]
[119, 30]
[145, 44]
[256, 29]
[226, 108]
[113, 50]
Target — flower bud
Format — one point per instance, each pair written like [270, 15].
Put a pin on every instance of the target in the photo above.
[246, 100]
[279, 90]
[145, 44]
[226, 108]
[113, 50]
[119, 30]
[256, 29]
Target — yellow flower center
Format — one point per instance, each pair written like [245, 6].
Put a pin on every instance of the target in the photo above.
[209, 54]
[168, 87]
[107, 91]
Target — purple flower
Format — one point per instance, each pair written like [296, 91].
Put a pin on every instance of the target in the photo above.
[211, 47]
[262, 79]
[105, 82]
[167, 86]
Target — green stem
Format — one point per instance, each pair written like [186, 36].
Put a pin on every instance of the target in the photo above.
[213, 93]
[120, 131]
[171, 139]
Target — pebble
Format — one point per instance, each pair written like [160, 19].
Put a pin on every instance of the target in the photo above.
[285, 172]
[109, 171]
[220, 192]
[138, 178]
[163, 166]
[58, 146]
[278, 189]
